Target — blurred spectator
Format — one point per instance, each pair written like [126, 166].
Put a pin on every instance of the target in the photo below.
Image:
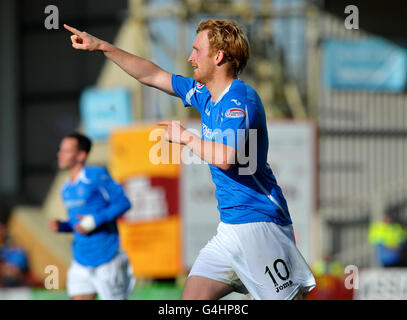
[330, 278]
[13, 262]
[389, 239]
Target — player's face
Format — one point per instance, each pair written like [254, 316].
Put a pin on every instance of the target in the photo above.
[68, 153]
[202, 59]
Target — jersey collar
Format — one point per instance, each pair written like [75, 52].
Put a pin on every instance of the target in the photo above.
[222, 94]
[80, 178]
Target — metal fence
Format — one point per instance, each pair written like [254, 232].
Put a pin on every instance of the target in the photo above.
[362, 160]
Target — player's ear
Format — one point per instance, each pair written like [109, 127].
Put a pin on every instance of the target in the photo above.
[82, 156]
[220, 57]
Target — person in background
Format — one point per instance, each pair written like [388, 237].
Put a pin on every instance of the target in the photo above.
[94, 201]
[389, 240]
[14, 267]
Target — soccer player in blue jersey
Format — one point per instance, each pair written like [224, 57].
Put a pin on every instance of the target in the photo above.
[94, 201]
[254, 249]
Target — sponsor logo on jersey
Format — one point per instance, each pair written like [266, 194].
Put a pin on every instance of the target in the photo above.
[207, 132]
[237, 102]
[234, 113]
[80, 191]
[75, 203]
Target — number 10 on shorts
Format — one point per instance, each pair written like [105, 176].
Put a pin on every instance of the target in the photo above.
[281, 270]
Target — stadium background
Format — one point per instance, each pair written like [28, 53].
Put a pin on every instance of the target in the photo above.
[345, 88]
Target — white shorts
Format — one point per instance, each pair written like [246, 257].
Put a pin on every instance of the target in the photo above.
[259, 258]
[111, 281]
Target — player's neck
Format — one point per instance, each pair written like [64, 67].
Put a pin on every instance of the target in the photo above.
[74, 172]
[218, 85]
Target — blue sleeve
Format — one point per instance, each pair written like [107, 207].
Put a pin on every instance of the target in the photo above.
[185, 88]
[114, 194]
[64, 226]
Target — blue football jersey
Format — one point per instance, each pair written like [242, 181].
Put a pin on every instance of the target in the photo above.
[248, 192]
[94, 193]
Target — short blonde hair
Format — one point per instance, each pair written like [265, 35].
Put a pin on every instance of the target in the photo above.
[227, 36]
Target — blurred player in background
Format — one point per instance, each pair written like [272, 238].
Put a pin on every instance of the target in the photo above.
[254, 249]
[94, 201]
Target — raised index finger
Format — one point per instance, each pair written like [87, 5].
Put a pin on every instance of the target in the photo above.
[72, 29]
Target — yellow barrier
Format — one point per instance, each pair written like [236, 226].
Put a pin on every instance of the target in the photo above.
[153, 245]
